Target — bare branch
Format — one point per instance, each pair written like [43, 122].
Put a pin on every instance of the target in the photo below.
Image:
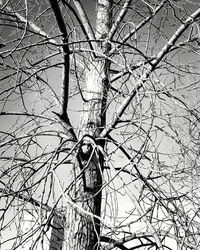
[84, 19]
[81, 23]
[139, 26]
[32, 25]
[119, 19]
[139, 83]
[66, 68]
[66, 53]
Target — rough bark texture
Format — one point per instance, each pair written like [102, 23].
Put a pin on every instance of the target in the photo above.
[83, 230]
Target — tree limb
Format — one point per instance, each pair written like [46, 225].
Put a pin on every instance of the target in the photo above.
[66, 70]
[62, 27]
[113, 243]
[151, 68]
[119, 19]
[34, 27]
[87, 35]
[85, 21]
[139, 26]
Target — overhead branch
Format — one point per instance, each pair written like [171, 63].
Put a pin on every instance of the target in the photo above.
[149, 60]
[144, 217]
[83, 27]
[140, 82]
[119, 243]
[119, 19]
[138, 27]
[18, 195]
[84, 18]
[66, 53]
[191, 19]
[113, 243]
[33, 27]
[66, 68]
[30, 24]
[62, 27]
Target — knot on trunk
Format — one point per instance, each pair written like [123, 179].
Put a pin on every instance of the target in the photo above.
[86, 148]
[85, 151]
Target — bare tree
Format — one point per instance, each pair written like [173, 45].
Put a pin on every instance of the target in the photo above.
[100, 124]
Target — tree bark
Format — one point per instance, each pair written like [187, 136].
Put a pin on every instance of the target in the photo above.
[83, 229]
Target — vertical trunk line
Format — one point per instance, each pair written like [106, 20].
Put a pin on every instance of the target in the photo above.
[86, 191]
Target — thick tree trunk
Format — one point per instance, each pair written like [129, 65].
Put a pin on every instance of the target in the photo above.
[83, 229]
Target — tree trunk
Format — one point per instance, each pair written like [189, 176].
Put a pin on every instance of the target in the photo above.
[83, 229]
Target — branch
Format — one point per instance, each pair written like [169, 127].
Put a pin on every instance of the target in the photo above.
[113, 243]
[140, 82]
[84, 19]
[34, 27]
[191, 19]
[121, 110]
[66, 70]
[87, 34]
[124, 71]
[119, 243]
[133, 31]
[66, 52]
[31, 200]
[124, 151]
[144, 216]
[62, 27]
[119, 19]
[41, 79]
[65, 122]
[25, 114]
